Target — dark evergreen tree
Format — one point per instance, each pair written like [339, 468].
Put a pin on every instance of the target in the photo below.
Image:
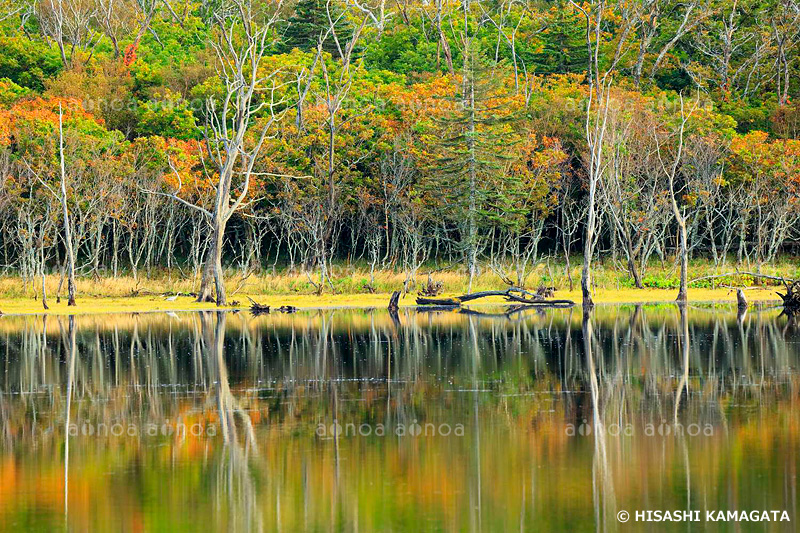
[472, 155]
[310, 22]
[563, 49]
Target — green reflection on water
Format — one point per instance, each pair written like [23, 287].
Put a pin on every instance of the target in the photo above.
[343, 420]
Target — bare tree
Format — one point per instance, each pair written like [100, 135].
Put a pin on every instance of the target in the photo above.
[71, 287]
[599, 91]
[785, 22]
[571, 212]
[704, 157]
[734, 52]
[654, 37]
[242, 41]
[670, 170]
[337, 87]
[70, 24]
[631, 195]
[61, 195]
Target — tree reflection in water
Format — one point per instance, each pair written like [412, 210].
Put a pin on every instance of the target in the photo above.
[565, 418]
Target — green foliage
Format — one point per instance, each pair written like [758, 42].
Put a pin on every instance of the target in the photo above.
[474, 140]
[658, 282]
[27, 63]
[749, 116]
[405, 51]
[560, 48]
[10, 92]
[169, 116]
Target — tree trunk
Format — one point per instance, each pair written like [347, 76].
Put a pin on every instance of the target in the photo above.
[448, 56]
[637, 277]
[473, 230]
[204, 294]
[65, 212]
[212, 270]
[41, 271]
[684, 258]
[588, 246]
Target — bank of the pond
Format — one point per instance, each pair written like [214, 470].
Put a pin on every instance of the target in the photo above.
[99, 304]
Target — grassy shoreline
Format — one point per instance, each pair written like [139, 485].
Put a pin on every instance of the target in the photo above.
[154, 303]
[354, 287]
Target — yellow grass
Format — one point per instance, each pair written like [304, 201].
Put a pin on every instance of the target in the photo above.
[351, 288]
[99, 304]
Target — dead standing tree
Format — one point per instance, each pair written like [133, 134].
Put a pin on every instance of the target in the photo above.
[595, 129]
[670, 170]
[63, 199]
[337, 89]
[243, 38]
[70, 24]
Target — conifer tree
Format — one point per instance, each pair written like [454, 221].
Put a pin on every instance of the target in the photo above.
[472, 155]
[310, 23]
[563, 47]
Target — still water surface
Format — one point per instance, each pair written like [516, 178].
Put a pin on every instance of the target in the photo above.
[355, 420]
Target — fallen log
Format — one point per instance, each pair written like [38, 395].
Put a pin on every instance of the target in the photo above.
[510, 310]
[458, 300]
[512, 294]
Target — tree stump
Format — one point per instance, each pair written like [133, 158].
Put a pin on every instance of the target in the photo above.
[394, 301]
[741, 301]
[791, 300]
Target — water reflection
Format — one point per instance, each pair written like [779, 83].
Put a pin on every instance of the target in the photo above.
[542, 420]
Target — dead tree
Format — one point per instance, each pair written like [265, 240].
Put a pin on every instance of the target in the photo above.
[671, 172]
[243, 39]
[791, 300]
[394, 304]
[71, 288]
[61, 196]
[512, 294]
[70, 25]
[599, 90]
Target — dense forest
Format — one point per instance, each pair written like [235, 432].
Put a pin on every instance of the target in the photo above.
[143, 135]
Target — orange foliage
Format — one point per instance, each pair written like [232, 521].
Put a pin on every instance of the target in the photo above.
[40, 110]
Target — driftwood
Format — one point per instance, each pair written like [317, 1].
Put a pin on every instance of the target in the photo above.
[791, 300]
[257, 308]
[261, 309]
[512, 294]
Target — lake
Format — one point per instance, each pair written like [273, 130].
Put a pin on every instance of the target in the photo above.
[359, 420]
